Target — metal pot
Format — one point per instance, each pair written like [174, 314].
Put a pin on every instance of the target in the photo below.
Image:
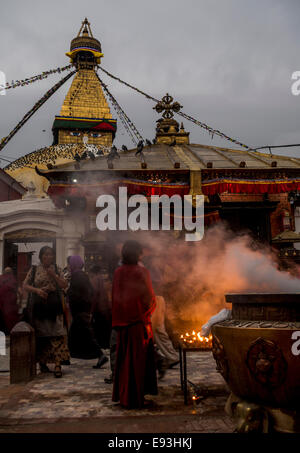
[258, 351]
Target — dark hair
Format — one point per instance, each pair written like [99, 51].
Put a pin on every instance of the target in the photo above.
[44, 250]
[95, 269]
[131, 252]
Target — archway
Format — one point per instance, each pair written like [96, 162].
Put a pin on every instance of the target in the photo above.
[21, 249]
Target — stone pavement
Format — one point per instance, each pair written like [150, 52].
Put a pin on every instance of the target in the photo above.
[81, 402]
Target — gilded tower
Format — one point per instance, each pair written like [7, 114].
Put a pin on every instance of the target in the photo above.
[84, 119]
[85, 115]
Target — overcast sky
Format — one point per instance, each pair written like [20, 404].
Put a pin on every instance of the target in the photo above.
[228, 62]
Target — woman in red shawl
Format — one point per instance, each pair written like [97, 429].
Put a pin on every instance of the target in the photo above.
[8, 301]
[133, 301]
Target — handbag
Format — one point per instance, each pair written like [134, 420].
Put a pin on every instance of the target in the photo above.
[27, 314]
[39, 308]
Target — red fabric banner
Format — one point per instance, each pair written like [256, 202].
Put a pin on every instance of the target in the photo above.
[250, 187]
[133, 188]
[150, 188]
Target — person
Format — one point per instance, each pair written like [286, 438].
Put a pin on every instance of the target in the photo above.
[161, 337]
[67, 314]
[133, 301]
[8, 301]
[8, 270]
[166, 354]
[101, 308]
[67, 273]
[67, 276]
[160, 360]
[82, 341]
[45, 312]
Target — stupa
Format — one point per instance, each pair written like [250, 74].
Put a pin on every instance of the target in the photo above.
[84, 119]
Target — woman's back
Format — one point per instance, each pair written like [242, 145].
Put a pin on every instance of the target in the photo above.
[132, 297]
[80, 293]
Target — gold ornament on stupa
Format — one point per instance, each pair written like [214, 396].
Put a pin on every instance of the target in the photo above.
[167, 130]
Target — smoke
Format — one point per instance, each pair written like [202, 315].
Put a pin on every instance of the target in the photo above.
[196, 276]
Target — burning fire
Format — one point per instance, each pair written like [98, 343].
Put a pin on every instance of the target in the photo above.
[196, 340]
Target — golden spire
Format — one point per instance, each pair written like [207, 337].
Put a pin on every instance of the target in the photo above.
[85, 109]
[85, 97]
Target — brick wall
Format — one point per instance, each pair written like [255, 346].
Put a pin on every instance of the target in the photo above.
[7, 193]
[237, 197]
[276, 217]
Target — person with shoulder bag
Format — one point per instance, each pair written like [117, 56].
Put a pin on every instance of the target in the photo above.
[45, 311]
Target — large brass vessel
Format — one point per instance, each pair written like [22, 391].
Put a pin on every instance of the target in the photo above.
[258, 354]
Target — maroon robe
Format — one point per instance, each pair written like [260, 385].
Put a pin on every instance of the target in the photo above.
[8, 302]
[133, 301]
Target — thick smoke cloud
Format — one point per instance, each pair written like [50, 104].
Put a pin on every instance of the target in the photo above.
[197, 276]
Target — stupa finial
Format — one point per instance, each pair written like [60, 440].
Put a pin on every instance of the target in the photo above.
[85, 50]
[85, 29]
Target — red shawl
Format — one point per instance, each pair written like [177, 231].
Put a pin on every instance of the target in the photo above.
[8, 300]
[133, 298]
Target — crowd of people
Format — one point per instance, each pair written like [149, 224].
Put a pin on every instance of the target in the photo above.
[74, 316]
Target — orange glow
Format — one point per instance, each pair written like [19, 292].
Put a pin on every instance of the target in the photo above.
[197, 340]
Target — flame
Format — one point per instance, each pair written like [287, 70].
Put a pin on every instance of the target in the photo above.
[196, 339]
